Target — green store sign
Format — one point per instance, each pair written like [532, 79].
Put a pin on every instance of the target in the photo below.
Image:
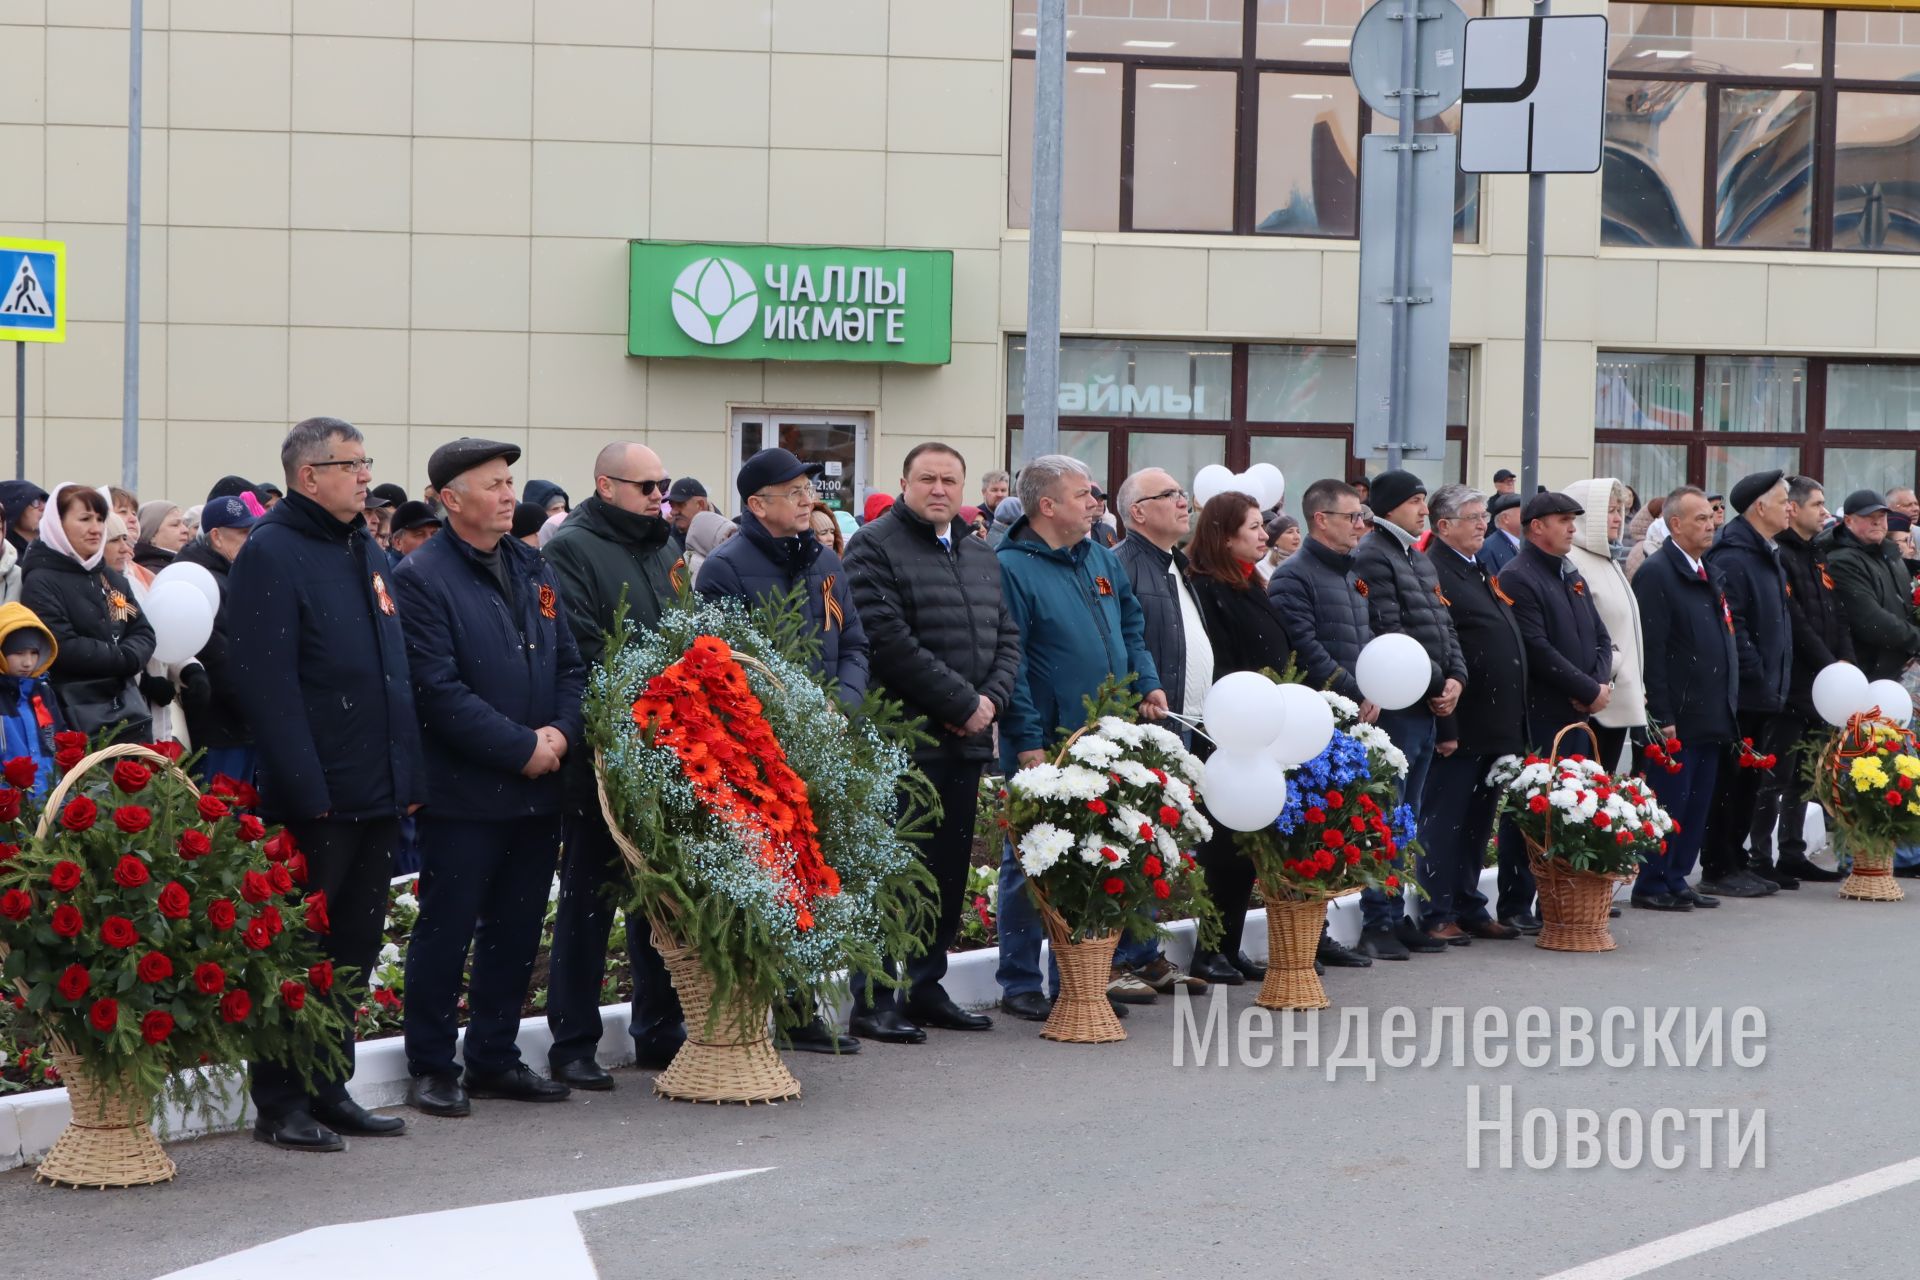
[782, 302]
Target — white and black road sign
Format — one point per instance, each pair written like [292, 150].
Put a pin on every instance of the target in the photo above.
[1534, 97]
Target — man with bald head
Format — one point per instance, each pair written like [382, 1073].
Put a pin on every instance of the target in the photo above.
[614, 547]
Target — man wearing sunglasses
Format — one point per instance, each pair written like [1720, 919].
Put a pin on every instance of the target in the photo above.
[615, 547]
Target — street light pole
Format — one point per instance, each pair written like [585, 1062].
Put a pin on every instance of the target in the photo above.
[1040, 394]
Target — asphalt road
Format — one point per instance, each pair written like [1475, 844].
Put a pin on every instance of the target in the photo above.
[1002, 1154]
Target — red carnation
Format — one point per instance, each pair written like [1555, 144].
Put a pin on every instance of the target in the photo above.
[1335, 799]
[1393, 882]
[1146, 832]
[209, 977]
[293, 994]
[1316, 815]
[281, 847]
[1114, 885]
[132, 818]
[153, 967]
[1625, 837]
[1150, 867]
[1323, 860]
[1097, 806]
[1537, 804]
[251, 828]
[79, 814]
[1603, 820]
[118, 931]
[175, 902]
[1109, 854]
[1161, 889]
[65, 876]
[1169, 816]
[257, 935]
[1353, 856]
[156, 1026]
[21, 772]
[193, 844]
[220, 913]
[66, 919]
[321, 976]
[235, 1006]
[1333, 839]
[255, 887]
[129, 872]
[317, 913]
[213, 808]
[74, 983]
[1895, 798]
[131, 776]
[105, 1016]
[280, 878]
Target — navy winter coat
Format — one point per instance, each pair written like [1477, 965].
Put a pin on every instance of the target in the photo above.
[1756, 587]
[1569, 653]
[755, 565]
[320, 665]
[1324, 613]
[1693, 663]
[489, 668]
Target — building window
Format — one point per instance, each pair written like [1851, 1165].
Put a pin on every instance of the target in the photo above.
[1666, 419]
[1736, 127]
[1127, 404]
[1225, 116]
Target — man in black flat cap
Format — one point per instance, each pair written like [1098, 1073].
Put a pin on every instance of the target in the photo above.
[413, 523]
[685, 500]
[1745, 806]
[497, 679]
[1503, 539]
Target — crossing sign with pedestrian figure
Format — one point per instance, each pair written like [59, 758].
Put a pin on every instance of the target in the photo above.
[33, 274]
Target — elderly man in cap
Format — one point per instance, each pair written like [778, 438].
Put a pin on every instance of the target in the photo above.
[497, 678]
[1745, 806]
[413, 523]
[216, 718]
[1503, 539]
[1876, 591]
[615, 553]
[320, 669]
[1504, 481]
[685, 500]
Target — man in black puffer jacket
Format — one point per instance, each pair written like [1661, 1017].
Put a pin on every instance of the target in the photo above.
[944, 644]
[1403, 597]
[1820, 638]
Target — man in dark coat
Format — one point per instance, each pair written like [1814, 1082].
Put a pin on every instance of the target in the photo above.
[497, 678]
[216, 718]
[1403, 597]
[1503, 537]
[614, 551]
[1744, 807]
[1876, 591]
[320, 667]
[1693, 690]
[944, 644]
[1491, 721]
[1820, 638]
[23, 503]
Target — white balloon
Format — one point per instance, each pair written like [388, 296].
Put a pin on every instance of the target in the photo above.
[1209, 481]
[1269, 485]
[1243, 792]
[202, 580]
[1307, 728]
[182, 621]
[1393, 672]
[1243, 712]
[1895, 703]
[1840, 690]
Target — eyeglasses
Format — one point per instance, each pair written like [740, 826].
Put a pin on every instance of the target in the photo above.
[1355, 517]
[805, 492]
[346, 464]
[1175, 492]
[647, 488]
[1482, 518]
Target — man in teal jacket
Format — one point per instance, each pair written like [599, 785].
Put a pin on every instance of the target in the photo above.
[1080, 623]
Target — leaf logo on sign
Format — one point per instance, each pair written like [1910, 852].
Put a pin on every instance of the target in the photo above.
[714, 301]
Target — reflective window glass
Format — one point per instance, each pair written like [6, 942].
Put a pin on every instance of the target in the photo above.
[1090, 180]
[1183, 149]
[1755, 393]
[1174, 28]
[1640, 392]
[1727, 463]
[1654, 164]
[1873, 397]
[1714, 40]
[1119, 377]
[1089, 447]
[1307, 179]
[1764, 184]
[1876, 197]
[1653, 470]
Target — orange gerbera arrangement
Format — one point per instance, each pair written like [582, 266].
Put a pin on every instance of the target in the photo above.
[703, 709]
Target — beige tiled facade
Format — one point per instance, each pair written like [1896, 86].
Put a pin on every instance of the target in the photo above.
[413, 213]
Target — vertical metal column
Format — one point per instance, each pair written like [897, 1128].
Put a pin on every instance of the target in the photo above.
[1040, 394]
[1535, 318]
[19, 411]
[130, 322]
[1409, 102]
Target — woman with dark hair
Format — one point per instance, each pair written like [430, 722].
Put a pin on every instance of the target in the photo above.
[1244, 628]
[104, 640]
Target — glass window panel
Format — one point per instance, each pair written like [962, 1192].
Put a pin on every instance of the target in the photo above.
[1763, 189]
[1306, 30]
[1755, 393]
[1721, 39]
[1850, 469]
[1654, 163]
[1457, 460]
[1727, 463]
[1307, 179]
[1876, 185]
[1088, 446]
[1179, 454]
[1180, 28]
[1300, 384]
[1873, 397]
[1118, 377]
[1301, 459]
[1652, 470]
[1090, 182]
[1643, 392]
[1183, 143]
[1459, 385]
[1466, 186]
[1876, 46]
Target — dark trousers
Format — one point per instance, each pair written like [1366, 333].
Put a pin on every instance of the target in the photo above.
[1456, 817]
[1793, 790]
[1687, 796]
[1412, 730]
[483, 886]
[237, 763]
[1517, 889]
[1613, 745]
[350, 862]
[948, 853]
[1746, 801]
[1230, 877]
[592, 872]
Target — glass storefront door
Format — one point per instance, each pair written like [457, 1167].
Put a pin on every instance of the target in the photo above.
[838, 441]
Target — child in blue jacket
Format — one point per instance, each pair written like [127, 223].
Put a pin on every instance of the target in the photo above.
[29, 712]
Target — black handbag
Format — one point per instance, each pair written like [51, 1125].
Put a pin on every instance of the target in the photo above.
[94, 705]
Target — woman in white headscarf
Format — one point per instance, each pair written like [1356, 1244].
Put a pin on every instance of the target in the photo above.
[1605, 503]
[706, 531]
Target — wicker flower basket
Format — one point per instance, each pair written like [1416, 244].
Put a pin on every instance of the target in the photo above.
[1573, 904]
[1872, 877]
[110, 1140]
[1294, 924]
[1081, 1013]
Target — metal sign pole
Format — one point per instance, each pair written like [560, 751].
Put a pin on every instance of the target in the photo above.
[1040, 395]
[130, 321]
[1408, 98]
[1535, 313]
[19, 411]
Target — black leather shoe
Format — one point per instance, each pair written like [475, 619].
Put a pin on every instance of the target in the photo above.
[654, 1050]
[344, 1115]
[888, 1025]
[1030, 1005]
[1527, 923]
[1250, 969]
[438, 1096]
[519, 1084]
[1803, 869]
[582, 1073]
[940, 1011]
[1698, 899]
[1119, 1010]
[1775, 876]
[1413, 939]
[1337, 955]
[1738, 884]
[815, 1037]
[1381, 944]
[1215, 967]
[1613, 913]
[1907, 873]
[1660, 902]
[296, 1131]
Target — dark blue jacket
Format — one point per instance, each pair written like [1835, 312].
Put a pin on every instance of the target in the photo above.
[1693, 664]
[1756, 586]
[320, 665]
[489, 668]
[756, 565]
[1498, 551]
[1325, 615]
[29, 717]
[1080, 622]
[1569, 653]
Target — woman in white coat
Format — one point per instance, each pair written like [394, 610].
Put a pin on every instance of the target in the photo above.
[1605, 504]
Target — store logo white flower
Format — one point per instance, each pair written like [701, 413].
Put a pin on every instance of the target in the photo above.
[714, 301]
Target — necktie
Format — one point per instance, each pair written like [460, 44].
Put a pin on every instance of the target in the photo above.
[1703, 573]
[944, 544]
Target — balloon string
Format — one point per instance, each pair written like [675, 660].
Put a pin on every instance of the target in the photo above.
[1193, 723]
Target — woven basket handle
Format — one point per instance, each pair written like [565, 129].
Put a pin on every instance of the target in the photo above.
[1553, 757]
[118, 751]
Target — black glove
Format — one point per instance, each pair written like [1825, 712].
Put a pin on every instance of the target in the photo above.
[196, 689]
[157, 690]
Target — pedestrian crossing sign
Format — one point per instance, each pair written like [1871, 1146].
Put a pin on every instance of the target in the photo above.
[33, 275]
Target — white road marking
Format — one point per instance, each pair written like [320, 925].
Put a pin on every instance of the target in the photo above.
[507, 1241]
[1659, 1253]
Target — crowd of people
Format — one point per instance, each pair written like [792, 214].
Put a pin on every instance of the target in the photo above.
[402, 676]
